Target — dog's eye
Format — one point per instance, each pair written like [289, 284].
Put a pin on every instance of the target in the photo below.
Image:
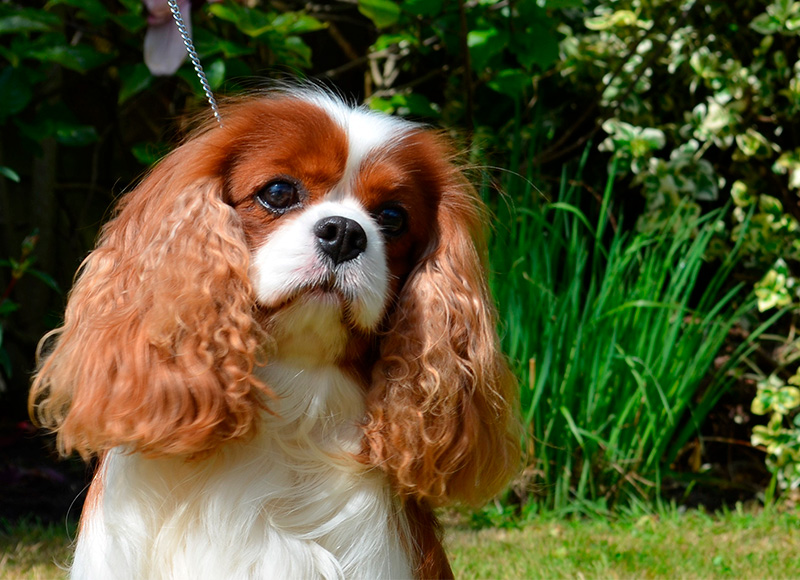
[393, 220]
[278, 196]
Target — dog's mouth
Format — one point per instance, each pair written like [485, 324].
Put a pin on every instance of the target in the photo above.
[345, 296]
[327, 294]
[327, 285]
[324, 292]
[328, 289]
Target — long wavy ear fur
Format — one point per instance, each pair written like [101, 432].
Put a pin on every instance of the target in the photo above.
[159, 340]
[442, 418]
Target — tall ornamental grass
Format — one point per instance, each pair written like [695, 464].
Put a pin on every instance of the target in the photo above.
[613, 335]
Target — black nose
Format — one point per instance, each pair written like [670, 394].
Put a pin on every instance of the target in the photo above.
[340, 238]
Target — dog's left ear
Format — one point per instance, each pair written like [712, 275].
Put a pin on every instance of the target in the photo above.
[442, 406]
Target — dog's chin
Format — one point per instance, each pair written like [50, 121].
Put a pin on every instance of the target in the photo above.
[317, 319]
[322, 300]
[315, 325]
[325, 298]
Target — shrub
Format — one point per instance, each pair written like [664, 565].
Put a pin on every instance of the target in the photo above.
[615, 338]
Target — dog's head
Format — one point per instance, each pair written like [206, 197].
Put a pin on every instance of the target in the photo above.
[303, 229]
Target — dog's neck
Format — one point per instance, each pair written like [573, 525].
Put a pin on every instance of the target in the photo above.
[319, 407]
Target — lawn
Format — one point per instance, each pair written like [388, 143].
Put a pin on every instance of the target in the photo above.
[691, 545]
[34, 552]
[672, 545]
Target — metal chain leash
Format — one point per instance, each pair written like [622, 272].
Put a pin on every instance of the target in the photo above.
[198, 68]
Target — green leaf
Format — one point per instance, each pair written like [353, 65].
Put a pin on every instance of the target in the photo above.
[9, 173]
[91, 10]
[7, 307]
[249, 21]
[80, 58]
[765, 24]
[215, 72]
[754, 144]
[76, 135]
[741, 194]
[385, 41]
[237, 72]
[413, 104]
[786, 399]
[612, 20]
[792, 24]
[209, 45]
[761, 435]
[647, 139]
[15, 92]
[297, 48]
[58, 122]
[773, 289]
[296, 23]
[134, 6]
[130, 22]
[771, 205]
[134, 79]
[187, 73]
[149, 153]
[382, 13]
[425, 8]
[381, 104]
[759, 405]
[485, 44]
[19, 20]
[46, 278]
[511, 82]
[538, 47]
[563, 4]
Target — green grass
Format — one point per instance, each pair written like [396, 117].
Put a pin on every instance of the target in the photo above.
[693, 545]
[667, 545]
[32, 551]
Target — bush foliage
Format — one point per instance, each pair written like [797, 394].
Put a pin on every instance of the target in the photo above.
[690, 105]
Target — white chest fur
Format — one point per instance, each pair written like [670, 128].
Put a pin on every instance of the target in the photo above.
[291, 503]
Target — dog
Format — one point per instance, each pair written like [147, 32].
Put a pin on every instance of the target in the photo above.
[283, 352]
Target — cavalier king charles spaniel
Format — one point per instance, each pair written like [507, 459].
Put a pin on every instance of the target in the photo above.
[283, 352]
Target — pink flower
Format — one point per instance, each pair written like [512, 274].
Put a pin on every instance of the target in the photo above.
[164, 51]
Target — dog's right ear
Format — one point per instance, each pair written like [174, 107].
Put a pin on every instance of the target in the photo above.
[159, 340]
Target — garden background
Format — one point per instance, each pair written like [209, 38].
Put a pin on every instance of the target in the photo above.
[642, 162]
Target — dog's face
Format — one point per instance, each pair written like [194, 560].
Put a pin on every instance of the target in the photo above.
[337, 206]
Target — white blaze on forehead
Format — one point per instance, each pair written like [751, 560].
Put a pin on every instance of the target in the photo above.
[366, 131]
